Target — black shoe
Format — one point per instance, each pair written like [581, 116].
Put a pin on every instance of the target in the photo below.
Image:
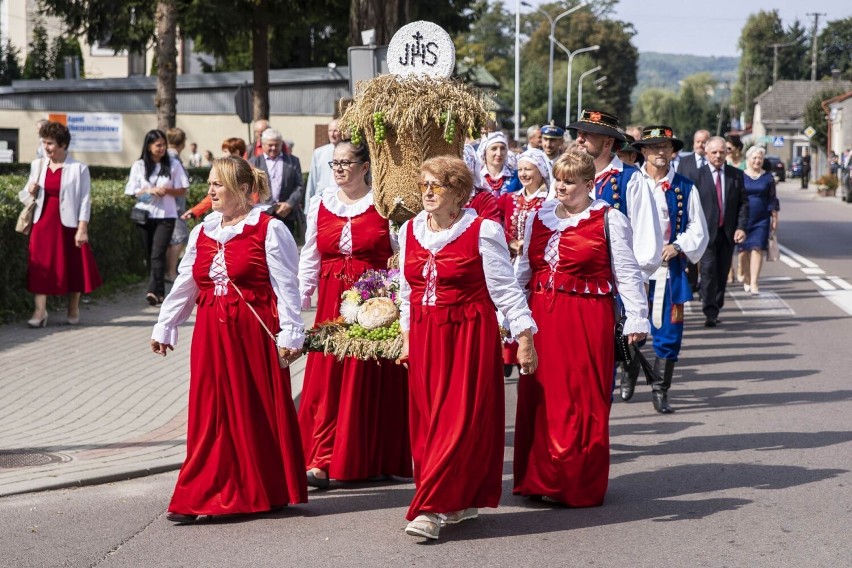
[180, 519]
[711, 322]
[151, 299]
[507, 370]
[317, 482]
[661, 402]
[629, 376]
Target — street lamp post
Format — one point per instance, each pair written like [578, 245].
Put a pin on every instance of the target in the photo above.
[517, 70]
[553, 22]
[571, 55]
[594, 69]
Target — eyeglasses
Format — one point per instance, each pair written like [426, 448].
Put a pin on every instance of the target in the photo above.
[343, 164]
[432, 186]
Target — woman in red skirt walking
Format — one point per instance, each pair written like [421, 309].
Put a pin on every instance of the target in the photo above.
[61, 260]
[562, 425]
[352, 413]
[243, 451]
[456, 271]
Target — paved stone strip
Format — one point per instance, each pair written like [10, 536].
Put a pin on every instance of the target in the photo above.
[96, 396]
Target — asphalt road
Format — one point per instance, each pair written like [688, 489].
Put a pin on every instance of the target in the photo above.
[752, 470]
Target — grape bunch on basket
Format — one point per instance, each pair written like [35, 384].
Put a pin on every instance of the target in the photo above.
[368, 326]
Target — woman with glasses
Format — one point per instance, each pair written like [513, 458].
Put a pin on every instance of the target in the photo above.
[577, 250]
[734, 148]
[455, 272]
[353, 414]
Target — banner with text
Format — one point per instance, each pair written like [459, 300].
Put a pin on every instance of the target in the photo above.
[92, 131]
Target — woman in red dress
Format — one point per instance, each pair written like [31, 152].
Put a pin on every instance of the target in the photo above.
[534, 174]
[496, 171]
[61, 261]
[456, 271]
[352, 413]
[243, 450]
[562, 424]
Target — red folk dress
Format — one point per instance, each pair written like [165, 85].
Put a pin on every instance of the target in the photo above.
[562, 424]
[56, 265]
[457, 399]
[353, 414]
[243, 452]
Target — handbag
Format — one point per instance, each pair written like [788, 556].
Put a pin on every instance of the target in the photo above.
[24, 223]
[139, 216]
[282, 362]
[622, 349]
[773, 254]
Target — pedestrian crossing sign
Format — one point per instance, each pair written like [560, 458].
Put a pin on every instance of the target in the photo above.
[778, 141]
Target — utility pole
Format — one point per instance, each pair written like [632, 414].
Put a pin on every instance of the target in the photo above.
[775, 47]
[816, 16]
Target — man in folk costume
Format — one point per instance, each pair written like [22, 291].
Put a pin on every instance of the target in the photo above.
[552, 140]
[685, 236]
[619, 184]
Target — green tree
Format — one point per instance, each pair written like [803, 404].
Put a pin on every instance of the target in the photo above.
[760, 31]
[691, 108]
[10, 68]
[62, 47]
[834, 48]
[815, 116]
[133, 25]
[38, 64]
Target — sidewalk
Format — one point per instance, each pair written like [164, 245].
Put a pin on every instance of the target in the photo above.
[92, 403]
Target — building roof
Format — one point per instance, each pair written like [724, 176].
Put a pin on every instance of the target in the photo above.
[839, 98]
[785, 101]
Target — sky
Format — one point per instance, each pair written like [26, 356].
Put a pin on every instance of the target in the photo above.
[709, 27]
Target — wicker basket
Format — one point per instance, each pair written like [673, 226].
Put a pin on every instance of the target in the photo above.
[415, 117]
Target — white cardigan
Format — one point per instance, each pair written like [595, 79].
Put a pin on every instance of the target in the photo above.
[74, 191]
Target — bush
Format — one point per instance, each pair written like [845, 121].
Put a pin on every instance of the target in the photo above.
[113, 237]
[827, 180]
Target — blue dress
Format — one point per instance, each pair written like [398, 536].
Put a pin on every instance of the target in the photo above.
[762, 202]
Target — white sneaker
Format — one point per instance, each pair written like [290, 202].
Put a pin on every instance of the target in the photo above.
[458, 516]
[427, 525]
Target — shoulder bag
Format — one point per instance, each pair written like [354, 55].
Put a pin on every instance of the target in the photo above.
[25, 219]
[282, 362]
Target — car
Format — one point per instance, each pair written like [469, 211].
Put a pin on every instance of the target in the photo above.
[775, 165]
[796, 167]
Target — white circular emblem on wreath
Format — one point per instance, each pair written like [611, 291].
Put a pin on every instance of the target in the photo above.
[422, 48]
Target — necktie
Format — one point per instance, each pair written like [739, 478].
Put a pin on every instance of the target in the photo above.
[719, 197]
[701, 161]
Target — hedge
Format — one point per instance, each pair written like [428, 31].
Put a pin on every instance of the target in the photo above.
[112, 235]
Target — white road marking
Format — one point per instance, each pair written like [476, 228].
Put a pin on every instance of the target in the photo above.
[823, 284]
[777, 279]
[797, 257]
[840, 283]
[790, 262]
[840, 298]
[813, 271]
[767, 303]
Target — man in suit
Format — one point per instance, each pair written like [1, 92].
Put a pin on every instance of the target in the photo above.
[725, 205]
[691, 163]
[320, 175]
[285, 182]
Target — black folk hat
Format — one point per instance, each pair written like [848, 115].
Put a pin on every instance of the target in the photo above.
[657, 134]
[598, 122]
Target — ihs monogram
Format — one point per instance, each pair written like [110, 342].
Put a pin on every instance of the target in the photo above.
[427, 52]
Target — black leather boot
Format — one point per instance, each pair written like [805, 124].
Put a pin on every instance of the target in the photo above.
[661, 388]
[629, 376]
